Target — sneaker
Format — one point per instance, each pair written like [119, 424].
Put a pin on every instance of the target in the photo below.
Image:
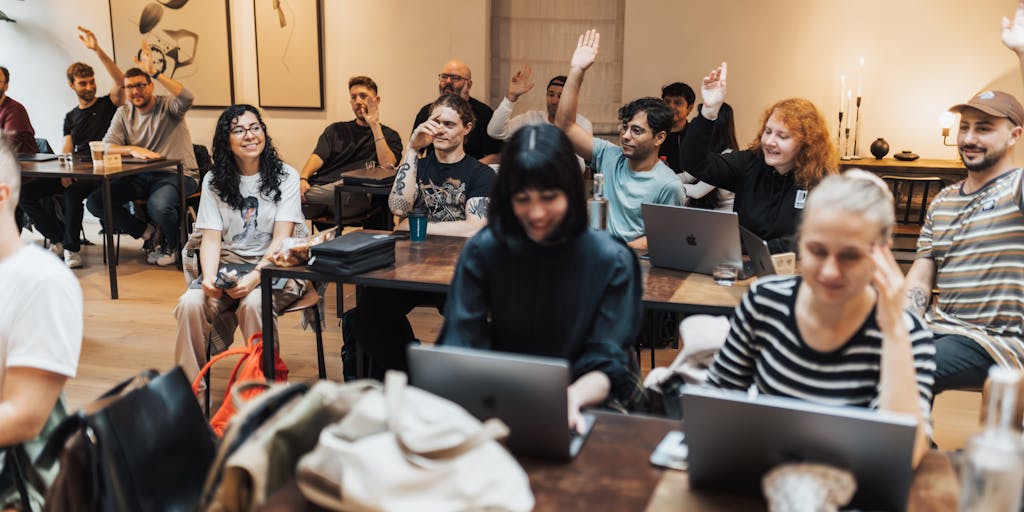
[152, 255]
[72, 259]
[166, 257]
[57, 249]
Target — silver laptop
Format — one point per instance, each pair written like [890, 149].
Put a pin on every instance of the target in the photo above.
[528, 393]
[691, 239]
[734, 439]
[759, 262]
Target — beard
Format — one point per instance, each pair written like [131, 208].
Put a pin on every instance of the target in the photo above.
[988, 160]
[86, 95]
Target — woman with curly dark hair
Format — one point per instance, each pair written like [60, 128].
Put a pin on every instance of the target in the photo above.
[790, 155]
[249, 203]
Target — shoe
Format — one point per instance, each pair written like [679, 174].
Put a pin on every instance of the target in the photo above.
[153, 255]
[57, 249]
[166, 257]
[72, 259]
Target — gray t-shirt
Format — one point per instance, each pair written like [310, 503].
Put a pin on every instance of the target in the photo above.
[163, 129]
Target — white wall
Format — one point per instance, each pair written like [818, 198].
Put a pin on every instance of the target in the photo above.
[402, 45]
[921, 57]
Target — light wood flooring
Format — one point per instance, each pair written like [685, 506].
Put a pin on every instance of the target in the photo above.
[125, 336]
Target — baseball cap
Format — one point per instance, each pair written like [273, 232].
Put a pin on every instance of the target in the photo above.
[558, 80]
[995, 103]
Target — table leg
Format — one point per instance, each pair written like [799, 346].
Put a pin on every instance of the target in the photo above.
[108, 233]
[339, 291]
[183, 228]
[267, 314]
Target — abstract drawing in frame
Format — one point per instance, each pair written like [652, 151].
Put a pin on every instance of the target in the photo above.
[191, 41]
[289, 56]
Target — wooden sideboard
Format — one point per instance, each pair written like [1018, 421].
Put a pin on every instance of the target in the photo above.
[951, 171]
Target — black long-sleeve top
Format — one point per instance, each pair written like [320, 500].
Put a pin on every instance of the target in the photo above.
[579, 300]
[768, 203]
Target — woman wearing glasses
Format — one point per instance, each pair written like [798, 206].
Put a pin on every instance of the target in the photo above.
[791, 154]
[249, 203]
[537, 281]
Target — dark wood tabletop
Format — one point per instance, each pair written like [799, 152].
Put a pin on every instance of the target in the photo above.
[85, 170]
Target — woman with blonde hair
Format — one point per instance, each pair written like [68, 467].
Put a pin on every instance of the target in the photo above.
[837, 333]
[790, 155]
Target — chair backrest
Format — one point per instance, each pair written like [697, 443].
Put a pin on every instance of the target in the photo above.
[912, 196]
[203, 160]
[44, 145]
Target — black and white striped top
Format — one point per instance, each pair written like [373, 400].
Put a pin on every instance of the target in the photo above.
[765, 348]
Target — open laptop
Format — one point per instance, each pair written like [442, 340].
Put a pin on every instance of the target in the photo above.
[759, 262]
[36, 157]
[691, 239]
[528, 393]
[374, 177]
[733, 439]
[128, 159]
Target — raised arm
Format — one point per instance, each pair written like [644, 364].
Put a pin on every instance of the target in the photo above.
[698, 159]
[145, 63]
[1013, 34]
[898, 380]
[565, 118]
[117, 90]
[499, 127]
[385, 157]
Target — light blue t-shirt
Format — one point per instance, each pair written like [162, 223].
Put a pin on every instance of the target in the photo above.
[626, 190]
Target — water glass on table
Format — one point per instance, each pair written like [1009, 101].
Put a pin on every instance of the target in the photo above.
[726, 273]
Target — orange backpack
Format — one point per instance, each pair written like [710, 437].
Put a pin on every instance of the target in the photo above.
[248, 368]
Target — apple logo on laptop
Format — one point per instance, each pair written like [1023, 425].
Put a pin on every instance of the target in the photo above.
[691, 240]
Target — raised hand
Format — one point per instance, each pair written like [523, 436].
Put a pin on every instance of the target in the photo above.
[145, 59]
[87, 38]
[1013, 31]
[520, 83]
[890, 286]
[586, 50]
[712, 91]
[424, 134]
[371, 111]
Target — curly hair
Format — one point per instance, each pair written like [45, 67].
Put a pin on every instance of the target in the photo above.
[225, 175]
[459, 105]
[818, 156]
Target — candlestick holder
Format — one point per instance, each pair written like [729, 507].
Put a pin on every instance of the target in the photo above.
[839, 132]
[856, 133]
[846, 144]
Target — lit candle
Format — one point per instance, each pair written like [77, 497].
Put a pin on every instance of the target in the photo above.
[860, 77]
[842, 92]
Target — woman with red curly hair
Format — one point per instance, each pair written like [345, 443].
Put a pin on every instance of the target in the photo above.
[791, 154]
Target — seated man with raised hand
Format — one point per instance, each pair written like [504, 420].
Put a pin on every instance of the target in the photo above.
[345, 146]
[633, 173]
[40, 321]
[453, 188]
[503, 125]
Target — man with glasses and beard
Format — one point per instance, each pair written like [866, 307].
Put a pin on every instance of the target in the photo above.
[150, 126]
[86, 122]
[456, 78]
[971, 246]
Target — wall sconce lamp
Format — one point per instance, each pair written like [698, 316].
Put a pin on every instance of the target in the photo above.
[946, 122]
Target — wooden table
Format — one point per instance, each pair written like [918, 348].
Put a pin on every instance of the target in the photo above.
[951, 171]
[430, 265]
[85, 171]
[613, 472]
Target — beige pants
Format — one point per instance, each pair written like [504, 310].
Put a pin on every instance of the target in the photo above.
[195, 313]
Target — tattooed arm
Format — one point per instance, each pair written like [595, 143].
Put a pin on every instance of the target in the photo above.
[403, 192]
[476, 219]
[920, 280]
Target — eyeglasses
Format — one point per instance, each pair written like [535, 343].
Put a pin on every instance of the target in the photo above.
[455, 79]
[635, 130]
[238, 132]
[138, 86]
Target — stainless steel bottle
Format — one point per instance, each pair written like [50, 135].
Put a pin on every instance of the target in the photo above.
[597, 205]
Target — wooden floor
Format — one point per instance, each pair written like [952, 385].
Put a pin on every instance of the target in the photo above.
[125, 336]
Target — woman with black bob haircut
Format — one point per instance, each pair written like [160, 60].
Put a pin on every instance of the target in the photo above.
[538, 281]
[249, 204]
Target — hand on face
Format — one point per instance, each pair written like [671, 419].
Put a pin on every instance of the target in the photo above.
[890, 286]
[586, 50]
[371, 111]
[424, 134]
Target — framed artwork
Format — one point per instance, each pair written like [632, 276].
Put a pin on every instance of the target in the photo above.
[191, 42]
[289, 56]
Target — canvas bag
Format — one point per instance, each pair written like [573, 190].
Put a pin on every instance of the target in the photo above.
[248, 368]
[407, 449]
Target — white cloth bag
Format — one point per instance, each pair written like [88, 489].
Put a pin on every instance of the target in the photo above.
[407, 449]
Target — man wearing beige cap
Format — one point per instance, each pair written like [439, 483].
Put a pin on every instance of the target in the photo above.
[971, 249]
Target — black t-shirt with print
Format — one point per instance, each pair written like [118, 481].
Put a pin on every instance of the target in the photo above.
[89, 124]
[443, 189]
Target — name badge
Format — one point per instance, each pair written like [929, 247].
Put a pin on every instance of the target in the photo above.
[112, 161]
[801, 198]
[988, 205]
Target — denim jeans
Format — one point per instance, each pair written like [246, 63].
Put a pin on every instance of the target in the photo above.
[960, 363]
[159, 189]
[36, 201]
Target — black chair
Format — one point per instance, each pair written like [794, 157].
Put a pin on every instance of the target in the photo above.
[912, 196]
[44, 146]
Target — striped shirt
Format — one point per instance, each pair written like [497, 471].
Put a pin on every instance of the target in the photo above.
[977, 243]
[765, 348]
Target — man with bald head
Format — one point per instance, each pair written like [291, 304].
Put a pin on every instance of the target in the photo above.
[456, 78]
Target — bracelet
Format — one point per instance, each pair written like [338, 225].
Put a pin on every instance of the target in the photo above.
[378, 139]
[304, 179]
